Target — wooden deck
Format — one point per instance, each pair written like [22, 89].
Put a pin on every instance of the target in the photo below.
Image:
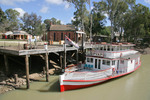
[39, 50]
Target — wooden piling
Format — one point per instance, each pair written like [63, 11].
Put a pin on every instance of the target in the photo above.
[43, 70]
[64, 60]
[16, 78]
[27, 71]
[61, 63]
[6, 64]
[47, 66]
[77, 56]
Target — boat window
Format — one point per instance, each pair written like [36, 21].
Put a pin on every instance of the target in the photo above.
[108, 62]
[112, 49]
[108, 48]
[88, 60]
[91, 60]
[104, 48]
[104, 62]
[95, 63]
[122, 61]
[99, 64]
[113, 62]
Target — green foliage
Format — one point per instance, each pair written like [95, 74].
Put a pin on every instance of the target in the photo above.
[137, 26]
[12, 19]
[2, 20]
[32, 24]
[53, 21]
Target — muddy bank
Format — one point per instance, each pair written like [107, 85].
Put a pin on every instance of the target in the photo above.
[11, 83]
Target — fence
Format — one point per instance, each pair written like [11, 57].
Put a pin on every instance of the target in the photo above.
[21, 45]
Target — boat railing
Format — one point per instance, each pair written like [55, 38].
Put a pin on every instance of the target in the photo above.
[89, 75]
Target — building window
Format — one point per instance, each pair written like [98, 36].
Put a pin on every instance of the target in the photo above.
[69, 35]
[54, 37]
[62, 36]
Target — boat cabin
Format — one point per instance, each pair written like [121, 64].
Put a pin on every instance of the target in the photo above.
[121, 57]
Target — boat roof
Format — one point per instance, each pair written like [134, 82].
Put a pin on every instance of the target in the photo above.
[131, 56]
[115, 44]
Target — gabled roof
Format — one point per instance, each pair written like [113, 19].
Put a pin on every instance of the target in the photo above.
[8, 33]
[62, 28]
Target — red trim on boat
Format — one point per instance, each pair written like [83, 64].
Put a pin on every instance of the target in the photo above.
[72, 87]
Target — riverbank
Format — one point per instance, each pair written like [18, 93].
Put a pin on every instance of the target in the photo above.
[10, 83]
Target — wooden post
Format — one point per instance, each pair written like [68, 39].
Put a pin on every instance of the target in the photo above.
[43, 70]
[76, 37]
[64, 65]
[77, 57]
[47, 66]
[82, 42]
[6, 64]
[16, 78]
[83, 53]
[27, 71]
[61, 65]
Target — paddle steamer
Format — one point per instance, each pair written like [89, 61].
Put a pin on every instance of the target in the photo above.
[103, 62]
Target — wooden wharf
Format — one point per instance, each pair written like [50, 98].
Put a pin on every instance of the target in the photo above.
[26, 53]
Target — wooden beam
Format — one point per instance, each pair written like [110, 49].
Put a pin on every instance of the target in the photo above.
[27, 71]
[6, 64]
[47, 66]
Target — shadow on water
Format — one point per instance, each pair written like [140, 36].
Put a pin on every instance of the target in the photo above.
[53, 87]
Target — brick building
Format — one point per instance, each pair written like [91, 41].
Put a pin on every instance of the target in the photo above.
[58, 32]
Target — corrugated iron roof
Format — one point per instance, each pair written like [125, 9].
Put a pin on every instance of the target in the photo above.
[62, 28]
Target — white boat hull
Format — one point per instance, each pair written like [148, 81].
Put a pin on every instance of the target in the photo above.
[76, 84]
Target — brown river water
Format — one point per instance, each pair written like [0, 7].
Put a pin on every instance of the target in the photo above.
[135, 86]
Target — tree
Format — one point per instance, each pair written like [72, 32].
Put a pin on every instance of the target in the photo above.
[115, 10]
[12, 17]
[81, 13]
[98, 18]
[137, 26]
[47, 23]
[32, 24]
[54, 21]
[2, 21]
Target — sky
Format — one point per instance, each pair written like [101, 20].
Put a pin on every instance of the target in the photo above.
[49, 8]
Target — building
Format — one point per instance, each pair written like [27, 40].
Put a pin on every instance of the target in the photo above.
[20, 35]
[58, 32]
[7, 34]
